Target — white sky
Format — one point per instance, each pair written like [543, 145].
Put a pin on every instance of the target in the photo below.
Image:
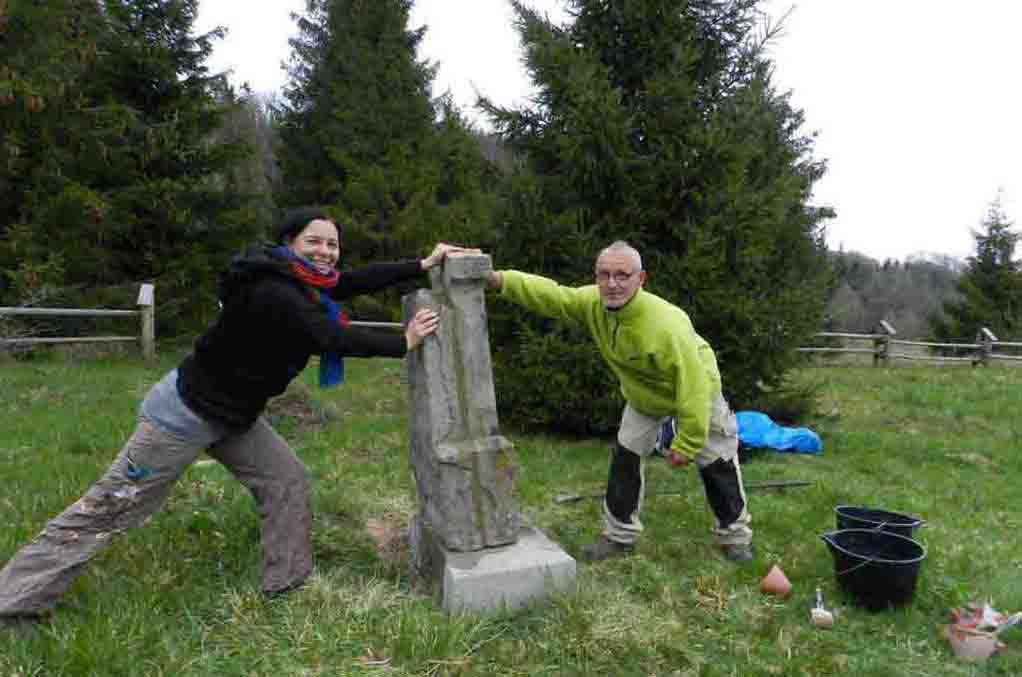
[912, 100]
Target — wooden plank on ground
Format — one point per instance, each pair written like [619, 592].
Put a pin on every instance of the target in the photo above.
[77, 339]
[67, 312]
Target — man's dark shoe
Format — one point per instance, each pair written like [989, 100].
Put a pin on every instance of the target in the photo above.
[20, 622]
[281, 592]
[739, 552]
[604, 548]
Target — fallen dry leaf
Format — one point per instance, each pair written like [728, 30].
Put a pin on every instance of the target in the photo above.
[972, 458]
[373, 659]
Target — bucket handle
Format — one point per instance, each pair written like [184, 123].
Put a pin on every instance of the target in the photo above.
[918, 523]
[867, 561]
[880, 527]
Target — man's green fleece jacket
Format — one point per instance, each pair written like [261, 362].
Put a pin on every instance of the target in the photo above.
[664, 366]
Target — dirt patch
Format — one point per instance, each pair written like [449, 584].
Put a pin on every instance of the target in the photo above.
[362, 455]
[298, 405]
[386, 446]
[390, 536]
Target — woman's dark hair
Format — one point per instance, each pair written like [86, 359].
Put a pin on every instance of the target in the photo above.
[295, 221]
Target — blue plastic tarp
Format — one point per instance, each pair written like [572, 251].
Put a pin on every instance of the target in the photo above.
[756, 429]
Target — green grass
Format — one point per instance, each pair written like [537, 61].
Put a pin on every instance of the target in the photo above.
[180, 596]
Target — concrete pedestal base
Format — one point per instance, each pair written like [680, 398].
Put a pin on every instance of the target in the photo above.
[491, 579]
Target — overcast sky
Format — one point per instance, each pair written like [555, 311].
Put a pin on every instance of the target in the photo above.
[915, 102]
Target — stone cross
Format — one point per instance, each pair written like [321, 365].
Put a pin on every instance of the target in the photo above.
[467, 540]
[464, 468]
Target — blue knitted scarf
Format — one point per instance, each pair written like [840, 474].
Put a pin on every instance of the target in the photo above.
[331, 365]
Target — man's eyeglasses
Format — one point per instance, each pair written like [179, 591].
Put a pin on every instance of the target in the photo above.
[604, 277]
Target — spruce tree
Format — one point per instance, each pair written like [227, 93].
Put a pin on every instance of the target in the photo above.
[127, 181]
[656, 122]
[361, 135]
[357, 116]
[990, 288]
[47, 53]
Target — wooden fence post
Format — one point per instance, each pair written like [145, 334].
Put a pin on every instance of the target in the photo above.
[986, 340]
[882, 343]
[147, 310]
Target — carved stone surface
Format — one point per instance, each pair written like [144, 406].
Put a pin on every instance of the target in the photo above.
[464, 469]
[467, 541]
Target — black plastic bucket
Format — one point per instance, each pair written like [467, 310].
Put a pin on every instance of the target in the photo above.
[877, 568]
[852, 517]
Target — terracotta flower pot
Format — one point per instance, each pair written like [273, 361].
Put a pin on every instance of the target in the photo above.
[970, 645]
[775, 583]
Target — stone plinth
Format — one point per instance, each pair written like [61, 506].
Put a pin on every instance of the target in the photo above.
[492, 579]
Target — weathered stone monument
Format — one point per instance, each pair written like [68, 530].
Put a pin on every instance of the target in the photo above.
[468, 541]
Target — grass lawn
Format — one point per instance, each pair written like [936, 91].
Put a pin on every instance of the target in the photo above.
[180, 596]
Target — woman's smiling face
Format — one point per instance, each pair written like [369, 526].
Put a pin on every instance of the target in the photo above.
[318, 242]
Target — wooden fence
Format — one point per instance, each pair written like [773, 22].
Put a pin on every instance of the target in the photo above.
[377, 325]
[146, 313]
[885, 347]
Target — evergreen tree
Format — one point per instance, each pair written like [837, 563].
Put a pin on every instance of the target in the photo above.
[47, 51]
[656, 122]
[990, 288]
[127, 182]
[357, 107]
[361, 135]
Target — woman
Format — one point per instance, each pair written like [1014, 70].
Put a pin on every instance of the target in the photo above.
[278, 309]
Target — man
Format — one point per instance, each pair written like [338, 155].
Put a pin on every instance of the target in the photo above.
[668, 374]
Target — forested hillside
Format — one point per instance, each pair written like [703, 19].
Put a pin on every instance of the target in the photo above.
[904, 293]
[935, 296]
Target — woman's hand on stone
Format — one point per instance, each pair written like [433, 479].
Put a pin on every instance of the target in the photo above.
[440, 252]
[424, 323]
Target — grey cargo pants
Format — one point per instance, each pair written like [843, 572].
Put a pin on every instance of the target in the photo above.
[718, 465]
[137, 484]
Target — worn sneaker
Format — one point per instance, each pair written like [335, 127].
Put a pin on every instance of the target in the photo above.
[738, 552]
[604, 548]
[21, 622]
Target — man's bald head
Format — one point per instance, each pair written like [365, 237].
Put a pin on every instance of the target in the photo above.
[622, 248]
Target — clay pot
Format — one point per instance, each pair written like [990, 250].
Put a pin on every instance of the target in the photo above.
[775, 583]
[972, 646]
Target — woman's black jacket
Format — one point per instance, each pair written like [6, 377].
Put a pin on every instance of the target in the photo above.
[269, 326]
